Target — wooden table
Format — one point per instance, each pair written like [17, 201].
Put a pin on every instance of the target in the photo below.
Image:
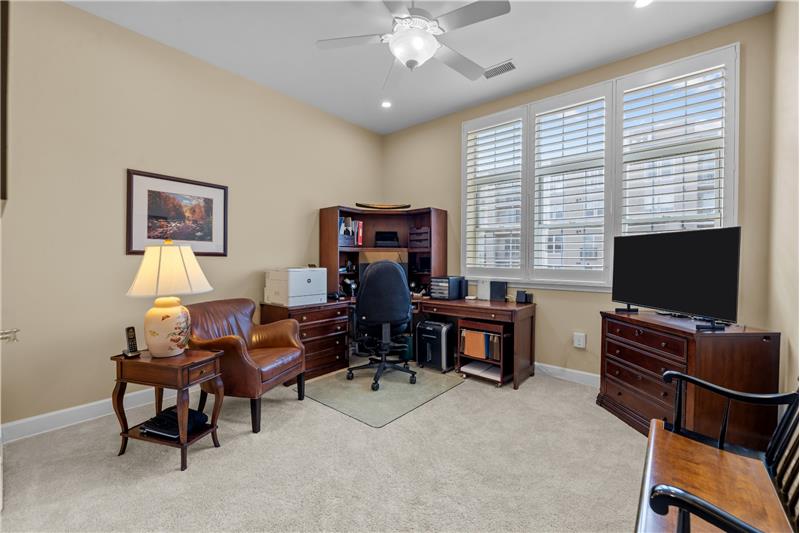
[179, 373]
[521, 318]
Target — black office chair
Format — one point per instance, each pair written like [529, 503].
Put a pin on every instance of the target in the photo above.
[383, 313]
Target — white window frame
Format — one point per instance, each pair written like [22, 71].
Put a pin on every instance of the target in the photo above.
[576, 277]
[614, 89]
[509, 115]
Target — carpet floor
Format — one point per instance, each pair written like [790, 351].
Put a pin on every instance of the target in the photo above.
[477, 458]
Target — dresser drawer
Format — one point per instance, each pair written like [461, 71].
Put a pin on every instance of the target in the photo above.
[658, 391]
[662, 342]
[641, 359]
[637, 403]
[325, 343]
[201, 372]
[316, 330]
[320, 314]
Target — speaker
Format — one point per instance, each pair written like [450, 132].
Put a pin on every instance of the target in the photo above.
[497, 291]
[521, 297]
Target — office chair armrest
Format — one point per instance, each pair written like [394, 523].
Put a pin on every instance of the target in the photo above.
[663, 496]
[758, 399]
[283, 333]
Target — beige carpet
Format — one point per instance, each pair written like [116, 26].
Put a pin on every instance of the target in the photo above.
[477, 458]
[395, 398]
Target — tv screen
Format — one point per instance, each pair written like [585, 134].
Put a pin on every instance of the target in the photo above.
[689, 272]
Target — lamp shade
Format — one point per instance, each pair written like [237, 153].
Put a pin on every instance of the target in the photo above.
[169, 270]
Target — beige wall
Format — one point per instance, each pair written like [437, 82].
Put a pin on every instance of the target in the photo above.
[90, 99]
[783, 300]
[421, 165]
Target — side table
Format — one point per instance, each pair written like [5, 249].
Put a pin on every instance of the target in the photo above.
[179, 373]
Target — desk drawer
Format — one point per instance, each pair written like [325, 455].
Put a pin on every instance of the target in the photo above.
[325, 343]
[463, 312]
[657, 391]
[316, 330]
[323, 314]
[662, 342]
[643, 407]
[641, 359]
[201, 372]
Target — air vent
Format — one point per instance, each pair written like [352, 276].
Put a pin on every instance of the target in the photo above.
[502, 68]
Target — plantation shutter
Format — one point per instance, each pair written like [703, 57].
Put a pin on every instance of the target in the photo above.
[569, 187]
[673, 153]
[493, 197]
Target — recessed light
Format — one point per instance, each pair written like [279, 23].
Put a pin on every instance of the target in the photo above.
[386, 104]
[642, 3]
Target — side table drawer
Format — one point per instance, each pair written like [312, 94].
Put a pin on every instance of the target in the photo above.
[201, 372]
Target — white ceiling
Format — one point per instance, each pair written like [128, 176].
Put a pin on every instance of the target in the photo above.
[272, 43]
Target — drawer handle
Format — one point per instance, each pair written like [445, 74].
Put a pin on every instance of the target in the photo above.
[202, 371]
[337, 357]
[435, 309]
[305, 334]
[304, 318]
[616, 372]
[338, 313]
[619, 393]
[616, 351]
[338, 328]
[493, 315]
[617, 330]
[337, 343]
[664, 394]
[663, 344]
[638, 332]
[662, 370]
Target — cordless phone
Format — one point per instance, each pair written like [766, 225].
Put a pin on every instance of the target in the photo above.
[133, 350]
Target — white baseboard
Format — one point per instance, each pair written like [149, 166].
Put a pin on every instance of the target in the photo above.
[28, 427]
[567, 374]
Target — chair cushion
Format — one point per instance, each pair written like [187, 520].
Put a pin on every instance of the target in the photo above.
[275, 361]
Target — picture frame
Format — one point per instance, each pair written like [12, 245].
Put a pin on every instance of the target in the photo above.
[189, 212]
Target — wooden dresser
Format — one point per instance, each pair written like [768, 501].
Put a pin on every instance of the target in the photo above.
[323, 330]
[638, 348]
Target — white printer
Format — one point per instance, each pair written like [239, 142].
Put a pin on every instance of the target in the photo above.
[296, 286]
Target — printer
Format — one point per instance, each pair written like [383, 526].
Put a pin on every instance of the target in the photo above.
[295, 286]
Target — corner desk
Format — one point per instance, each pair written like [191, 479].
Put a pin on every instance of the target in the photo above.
[324, 329]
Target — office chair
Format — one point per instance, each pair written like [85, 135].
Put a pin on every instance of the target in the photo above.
[383, 312]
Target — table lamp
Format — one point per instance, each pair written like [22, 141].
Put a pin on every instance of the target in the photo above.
[165, 272]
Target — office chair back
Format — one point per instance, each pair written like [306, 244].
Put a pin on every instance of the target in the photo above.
[384, 297]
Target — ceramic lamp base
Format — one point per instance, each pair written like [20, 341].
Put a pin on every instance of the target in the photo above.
[166, 327]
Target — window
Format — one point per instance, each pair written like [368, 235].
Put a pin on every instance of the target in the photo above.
[493, 195]
[547, 186]
[569, 185]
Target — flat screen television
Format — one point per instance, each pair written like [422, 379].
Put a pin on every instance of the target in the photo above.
[694, 273]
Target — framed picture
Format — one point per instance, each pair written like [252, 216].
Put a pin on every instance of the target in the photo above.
[188, 212]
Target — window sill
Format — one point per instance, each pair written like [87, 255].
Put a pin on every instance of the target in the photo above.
[553, 286]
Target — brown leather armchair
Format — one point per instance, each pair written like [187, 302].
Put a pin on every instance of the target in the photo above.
[256, 359]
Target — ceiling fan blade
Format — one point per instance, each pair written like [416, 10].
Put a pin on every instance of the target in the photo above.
[343, 42]
[472, 13]
[396, 8]
[466, 67]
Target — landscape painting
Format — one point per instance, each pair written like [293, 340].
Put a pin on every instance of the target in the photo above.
[187, 212]
[179, 216]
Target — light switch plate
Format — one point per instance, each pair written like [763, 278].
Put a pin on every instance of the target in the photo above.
[579, 340]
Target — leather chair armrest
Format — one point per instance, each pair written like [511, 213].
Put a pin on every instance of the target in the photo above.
[229, 344]
[283, 333]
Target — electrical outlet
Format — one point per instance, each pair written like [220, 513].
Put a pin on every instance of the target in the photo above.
[579, 340]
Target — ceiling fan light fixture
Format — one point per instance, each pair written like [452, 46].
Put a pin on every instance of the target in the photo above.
[413, 40]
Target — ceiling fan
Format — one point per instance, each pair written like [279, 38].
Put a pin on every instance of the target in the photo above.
[415, 36]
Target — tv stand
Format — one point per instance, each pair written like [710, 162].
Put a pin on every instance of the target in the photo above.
[712, 325]
[626, 309]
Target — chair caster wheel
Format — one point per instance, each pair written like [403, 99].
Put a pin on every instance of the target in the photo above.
[405, 365]
[349, 376]
[375, 385]
[412, 379]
